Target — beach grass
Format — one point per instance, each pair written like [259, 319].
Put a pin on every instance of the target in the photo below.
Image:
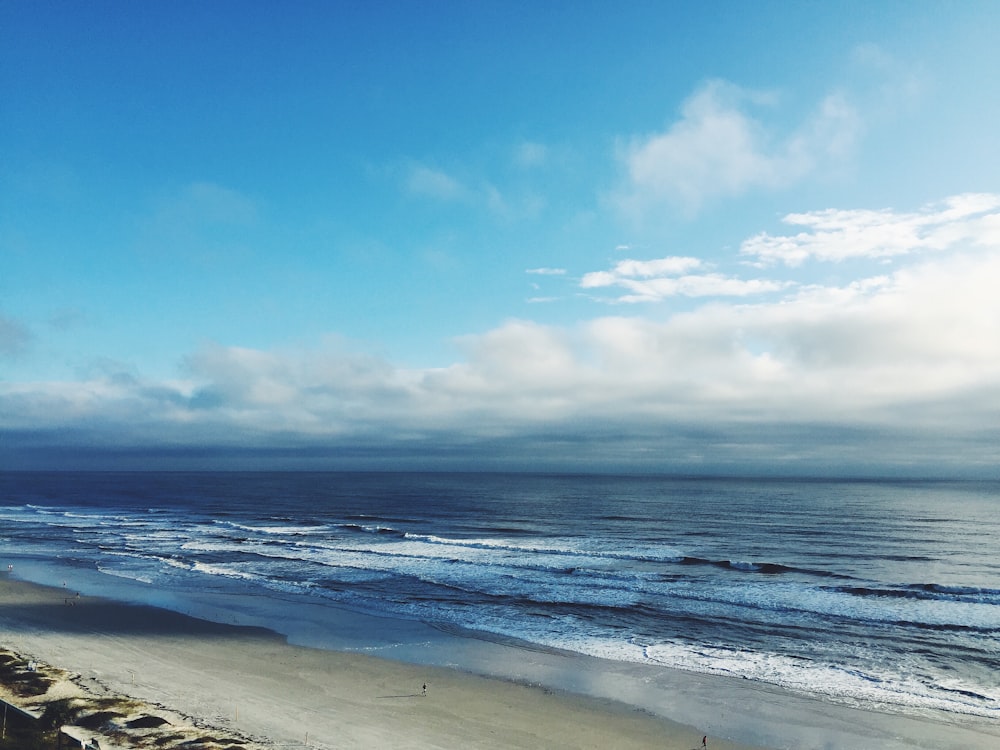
[42, 702]
[22, 733]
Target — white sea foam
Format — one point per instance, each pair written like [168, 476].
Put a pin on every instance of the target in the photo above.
[869, 611]
[127, 573]
[276, 529]
[885, 689]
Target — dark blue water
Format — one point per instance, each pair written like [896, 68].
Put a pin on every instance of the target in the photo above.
[883, 594]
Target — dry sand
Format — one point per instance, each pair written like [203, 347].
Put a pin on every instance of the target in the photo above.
[252, 681]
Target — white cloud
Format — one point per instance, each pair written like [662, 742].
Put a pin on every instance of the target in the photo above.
[910, 357]
[718, 149]
[512, 206]
[705, 285]
[656, 267]
[201, 221]
[871, 352]
[657, 279]
[434, 183]
[205, 203]
[836, 235]
[890, 87]
[547, 271]
[530, 154]
[438, 185]
[627, 270]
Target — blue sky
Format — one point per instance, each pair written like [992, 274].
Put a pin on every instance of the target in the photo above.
[698, 237]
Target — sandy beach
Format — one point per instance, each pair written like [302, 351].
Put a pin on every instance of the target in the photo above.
[251, 680]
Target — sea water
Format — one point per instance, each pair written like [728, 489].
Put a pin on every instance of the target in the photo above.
[875, 594]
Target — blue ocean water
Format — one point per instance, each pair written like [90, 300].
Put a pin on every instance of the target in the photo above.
[882, 594]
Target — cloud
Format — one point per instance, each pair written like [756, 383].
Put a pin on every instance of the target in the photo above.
[914, 350]
[837, 235]
[513, 206]
[884, 363]
[660, 278]
[876, 351]
[657, 267]
[14, 337]
[889, 87]
[547, 271]
[529, 154]
[207, 202]
[717, 149]
[433, 183]
[894, 371]
[202, 221]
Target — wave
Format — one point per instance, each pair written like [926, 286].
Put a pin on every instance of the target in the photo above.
[129, 575]
[373, 529]
[571, 557]
[567, 572]
[512, 530]
[551, 574]
[535, 582]
[374, 518]
[843, 683]
[655, 554]
[283, 529]
[767, 568]
[959, 590]
[696, 580]
[569, 550]
[550, 584]
[925, 592]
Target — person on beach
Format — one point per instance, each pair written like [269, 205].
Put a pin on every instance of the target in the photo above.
[425, 689]
[704, 741]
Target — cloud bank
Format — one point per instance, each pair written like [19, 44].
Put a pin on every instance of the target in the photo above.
[894, 371]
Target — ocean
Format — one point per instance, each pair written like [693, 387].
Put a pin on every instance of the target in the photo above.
[883, 594]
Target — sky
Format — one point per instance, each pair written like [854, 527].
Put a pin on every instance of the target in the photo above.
[690, 237]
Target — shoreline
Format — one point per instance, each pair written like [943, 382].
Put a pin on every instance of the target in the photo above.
[358, 678]
[252, 681]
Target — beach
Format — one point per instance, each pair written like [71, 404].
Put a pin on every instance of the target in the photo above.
[252, 681]
[313, 608]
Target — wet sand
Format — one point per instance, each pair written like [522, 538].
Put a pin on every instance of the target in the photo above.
[252, 680]
[355, 681]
